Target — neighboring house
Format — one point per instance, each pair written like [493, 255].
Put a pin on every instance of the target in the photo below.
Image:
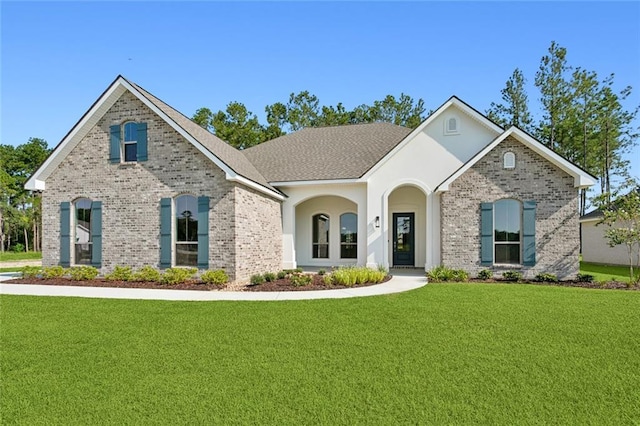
[458, 190]
[595, 246]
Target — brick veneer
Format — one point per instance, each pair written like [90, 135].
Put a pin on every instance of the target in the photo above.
[244, 225]
[534, 178]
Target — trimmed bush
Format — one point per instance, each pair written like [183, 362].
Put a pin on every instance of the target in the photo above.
[217, 277]
[174, 276]
[298, 270]
[546, 278]
[281, 275]
[31, 272]
[83, 273]
[444, 274]
[513, 276]
[321, 272]
[327, 280]
[300, 279]
[53, 272]
[256, 279]
[350, 276]
[146, 273]
[585, 278]
[485, 274]
[269, 276]
[120, 273]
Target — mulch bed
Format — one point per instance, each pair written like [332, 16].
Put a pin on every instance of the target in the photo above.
[277, 285]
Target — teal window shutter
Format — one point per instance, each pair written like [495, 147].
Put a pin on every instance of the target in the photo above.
[142, 142]
[529, 233]
[65, 234]
[96, 234]
[114, 145]
[486, 233]
[203, 232]
[165, 233]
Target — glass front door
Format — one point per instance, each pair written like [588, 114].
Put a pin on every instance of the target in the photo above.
[403, 239]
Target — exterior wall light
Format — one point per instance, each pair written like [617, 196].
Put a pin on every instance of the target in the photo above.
[377, 221]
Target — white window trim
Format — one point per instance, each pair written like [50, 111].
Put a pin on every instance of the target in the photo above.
[447, 130]
[340, 236]
[328, 243]
[493, 235]
[125, 142]
[509, 160]
[174, 231]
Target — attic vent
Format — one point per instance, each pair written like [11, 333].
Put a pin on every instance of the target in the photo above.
[451, 126]
[509, 160]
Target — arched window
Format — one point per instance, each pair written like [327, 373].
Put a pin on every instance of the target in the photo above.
[186, 219]
[509, 160]
[451, 125]
[320, 245]
[507, 226]
[130, 141]
[83, 238]
[349, 236]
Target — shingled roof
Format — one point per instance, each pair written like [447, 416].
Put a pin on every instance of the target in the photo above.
[325, 153]
[233, 158]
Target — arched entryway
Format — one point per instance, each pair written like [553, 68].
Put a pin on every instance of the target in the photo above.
[407, 227]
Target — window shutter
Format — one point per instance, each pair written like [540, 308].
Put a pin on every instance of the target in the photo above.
[486, 234]
[165, 233]
[96, 234]
[529, 233]
[114, 145]
[203, 232]
[142, 142]
[65, 234]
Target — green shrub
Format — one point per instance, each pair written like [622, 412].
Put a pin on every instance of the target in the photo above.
[256, 279]
[269, 276]
[83, 273]
[546, 278]
[31, 272]
[381, 268]
[300, 279]
[17, 248]
[485, 274]
[281, 275]
[350, 276]
[174, 276]
[53, 272]
[514, 276]
[217, 277]
[298, 270]
[120, 273]
[443, 274]
[146, 273]
[585, 278]
[327, 280]
[321, 272]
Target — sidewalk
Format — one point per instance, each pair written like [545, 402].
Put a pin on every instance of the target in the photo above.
[397, 284]
[20, 263]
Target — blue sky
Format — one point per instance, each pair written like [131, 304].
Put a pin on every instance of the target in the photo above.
[58, 57]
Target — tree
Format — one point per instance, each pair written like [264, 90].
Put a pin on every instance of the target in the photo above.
[237, 126]
[623, 219]
[403, 112]
[514, 111]
[203, 117]
[303, 110]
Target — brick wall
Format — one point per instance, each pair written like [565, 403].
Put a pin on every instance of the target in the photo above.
[131, 193]
[534, 178]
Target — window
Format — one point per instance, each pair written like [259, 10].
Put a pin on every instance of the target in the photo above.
[507, 225]
[349, 236]
[320, 244]
[509, 160]
[83, 238]
[186, 222]
[451, 126]
[130, 142]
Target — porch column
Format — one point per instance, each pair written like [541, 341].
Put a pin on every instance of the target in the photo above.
[288, 236]
[362, 232]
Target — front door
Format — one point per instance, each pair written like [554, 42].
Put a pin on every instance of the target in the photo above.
[403, 239]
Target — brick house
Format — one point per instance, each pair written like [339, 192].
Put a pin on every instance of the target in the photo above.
[137, 183]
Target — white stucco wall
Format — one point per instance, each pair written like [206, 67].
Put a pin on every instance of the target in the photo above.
[596, 249]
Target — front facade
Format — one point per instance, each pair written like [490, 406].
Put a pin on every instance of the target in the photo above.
[137, 183]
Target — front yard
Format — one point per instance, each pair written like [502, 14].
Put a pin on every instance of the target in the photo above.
[446, 353]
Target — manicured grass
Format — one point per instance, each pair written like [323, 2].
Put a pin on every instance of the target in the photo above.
[9, 256]
[17, 269]
[446, 353]
[605, 272]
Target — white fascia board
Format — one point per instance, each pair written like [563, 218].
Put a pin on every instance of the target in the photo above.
[453, 101]
[257, 187]
[317, 182]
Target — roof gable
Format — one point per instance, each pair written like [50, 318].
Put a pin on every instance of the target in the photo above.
[235, 165]
[582, 179]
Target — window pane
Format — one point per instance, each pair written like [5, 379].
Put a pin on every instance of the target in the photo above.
[507, 220]
[321, 229]
[186, 218]
[321, 251]
[187, 254]
[130, 152]
[507, 253]
[349, 251]
[83, 231]
[83, 254]
[349, 228]
[130, 132]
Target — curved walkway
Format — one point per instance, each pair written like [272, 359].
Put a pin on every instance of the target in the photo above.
[397, 284]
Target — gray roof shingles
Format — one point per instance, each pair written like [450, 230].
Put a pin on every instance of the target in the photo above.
[326, 153]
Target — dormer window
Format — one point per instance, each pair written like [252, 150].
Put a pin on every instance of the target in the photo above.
[509, 160]
[451, 125]
[128, 142]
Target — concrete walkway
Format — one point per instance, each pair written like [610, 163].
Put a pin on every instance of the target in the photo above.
[403, 280]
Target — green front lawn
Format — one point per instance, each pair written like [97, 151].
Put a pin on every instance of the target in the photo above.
[445, 353]
[606, 272]
[10, 256]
